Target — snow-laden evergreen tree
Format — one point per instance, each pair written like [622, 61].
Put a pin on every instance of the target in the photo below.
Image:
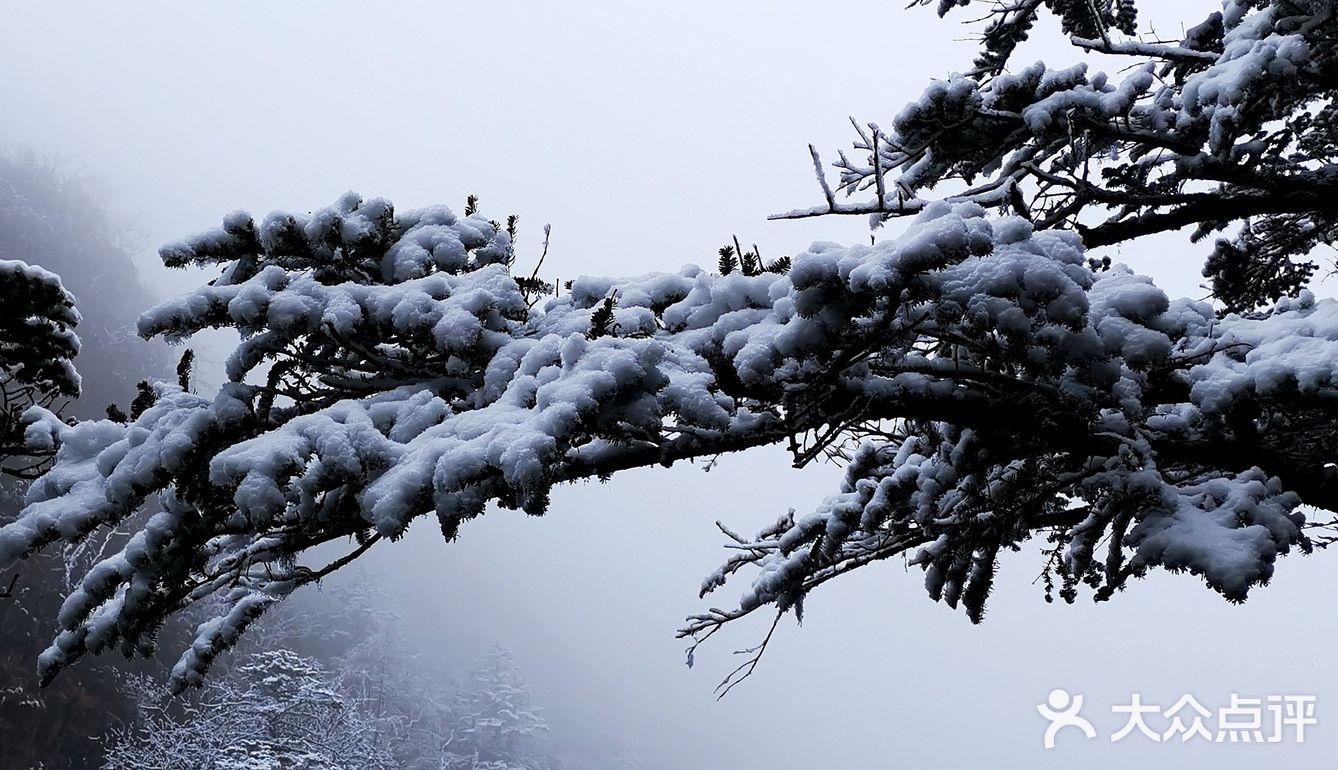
[49, 219]
[411, 707]
[37, 349]
[406, 692]
[495, 725]
[990, 377]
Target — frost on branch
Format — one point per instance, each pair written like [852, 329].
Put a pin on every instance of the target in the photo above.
[392, 368]
[1231, 125]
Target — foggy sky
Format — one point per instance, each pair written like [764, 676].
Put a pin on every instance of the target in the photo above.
[647, 135]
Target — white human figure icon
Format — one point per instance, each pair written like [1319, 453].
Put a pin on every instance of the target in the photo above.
[1062, 709]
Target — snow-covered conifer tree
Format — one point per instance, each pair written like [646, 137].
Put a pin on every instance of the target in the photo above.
[37, 349]
[990, 377]
[495, 726]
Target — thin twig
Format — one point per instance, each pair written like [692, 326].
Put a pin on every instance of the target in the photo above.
[734, 677]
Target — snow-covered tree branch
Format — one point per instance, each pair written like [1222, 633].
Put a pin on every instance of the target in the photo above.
[997, 385]
[1231, 124]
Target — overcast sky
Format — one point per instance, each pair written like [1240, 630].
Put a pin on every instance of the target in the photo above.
[647, 135]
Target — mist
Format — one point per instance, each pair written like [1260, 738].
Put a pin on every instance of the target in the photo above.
[647, 136]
